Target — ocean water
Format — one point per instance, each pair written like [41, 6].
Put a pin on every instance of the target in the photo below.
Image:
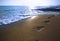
[10, 14]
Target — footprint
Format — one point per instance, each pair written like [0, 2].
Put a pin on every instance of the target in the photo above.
[39, 27]
[51, 16]
[47, 21]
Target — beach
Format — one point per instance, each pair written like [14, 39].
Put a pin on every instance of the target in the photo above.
[39, 28]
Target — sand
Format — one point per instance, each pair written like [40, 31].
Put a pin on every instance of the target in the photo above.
[40, 28]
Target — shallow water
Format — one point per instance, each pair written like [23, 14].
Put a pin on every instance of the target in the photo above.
[10, 14]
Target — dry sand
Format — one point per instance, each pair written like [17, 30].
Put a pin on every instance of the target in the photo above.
[41, 28]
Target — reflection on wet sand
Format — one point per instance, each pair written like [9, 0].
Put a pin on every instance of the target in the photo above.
[39, 28]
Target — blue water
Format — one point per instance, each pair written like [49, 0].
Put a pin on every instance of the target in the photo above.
[10, 14]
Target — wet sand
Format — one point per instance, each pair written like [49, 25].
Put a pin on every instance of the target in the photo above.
[40, 28]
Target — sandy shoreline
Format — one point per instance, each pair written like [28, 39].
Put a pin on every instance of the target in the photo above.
[49, 29]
